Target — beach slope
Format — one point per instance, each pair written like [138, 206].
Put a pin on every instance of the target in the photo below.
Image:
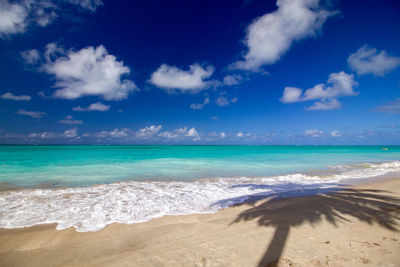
[353, 226]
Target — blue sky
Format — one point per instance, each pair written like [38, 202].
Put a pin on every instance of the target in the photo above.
[200, 72]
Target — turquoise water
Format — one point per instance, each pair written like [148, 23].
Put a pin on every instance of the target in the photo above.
[90, 187]
[77, 166]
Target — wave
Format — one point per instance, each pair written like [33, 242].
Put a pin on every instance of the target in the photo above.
[93, 208]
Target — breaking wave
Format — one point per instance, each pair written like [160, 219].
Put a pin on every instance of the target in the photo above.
[93, 208]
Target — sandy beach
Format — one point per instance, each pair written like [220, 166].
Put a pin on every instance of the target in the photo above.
[354, 226]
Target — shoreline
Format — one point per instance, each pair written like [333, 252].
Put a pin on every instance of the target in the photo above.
[296, 193]
[326, 170]
[356, 225]
[252, 188]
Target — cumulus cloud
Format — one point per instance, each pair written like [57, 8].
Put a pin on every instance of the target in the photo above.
[329, 104]
[12, 18]
[214, 136]
[116, 133]
[368, 60]
[335, 133]
[314, 133]
[200, 105]
[232, 79]
[89, 71]
[193, 133]
[223, 101]
[71, 133]
[70, 120]
[30, 56]
[181, 133]
[390, 107]
[11, 96]
[33, 114]
[42, 12]
[338, 85]
[173, 78]
[148, 131]
[98, 106]
[291, 94]
[53, 50]
[152, 132]
[271, 35]
[240, 134]
[16, 16]
[43, 135]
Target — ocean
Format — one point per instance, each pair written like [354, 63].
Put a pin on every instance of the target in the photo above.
[90, 187]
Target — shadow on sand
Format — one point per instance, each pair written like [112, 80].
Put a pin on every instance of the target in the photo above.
[339, 205]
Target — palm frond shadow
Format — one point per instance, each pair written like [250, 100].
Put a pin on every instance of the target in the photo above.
[339, 205]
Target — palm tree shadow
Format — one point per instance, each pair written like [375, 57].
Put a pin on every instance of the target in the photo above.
[341, 205]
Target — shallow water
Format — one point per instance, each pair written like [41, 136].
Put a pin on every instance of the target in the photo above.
[89, 187]
[77, 166]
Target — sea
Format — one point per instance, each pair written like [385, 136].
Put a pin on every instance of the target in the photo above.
[90, 187]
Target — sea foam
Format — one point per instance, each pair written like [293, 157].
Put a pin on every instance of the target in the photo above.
[93, 208]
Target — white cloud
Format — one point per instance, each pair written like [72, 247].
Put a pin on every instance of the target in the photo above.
[42, 12]
[116, 133]
[367, 60]
[148, 131]
[240, 134]
[12, 18]
[16, 16]
[11, 96]
[44, 135]
[223, 101]
[173, 78]
[169, 135]
[89, 71]
[53, 51]
[71, 133]
[70, 120]
[392, 107]
[200, 105]
[291, 94]
[314, 133]
[341, 84]
[271, 35]
[33, 114]
[181, 133]
[338, 85]
[31, 56]
[326, 105]
[98, 106]
[222, 135]
[119, 133]
[335, 133]
[193, 133]
[232, 79]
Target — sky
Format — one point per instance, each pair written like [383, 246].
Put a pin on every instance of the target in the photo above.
[256, 72]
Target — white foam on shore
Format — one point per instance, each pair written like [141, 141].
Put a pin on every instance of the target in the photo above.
[93, 208]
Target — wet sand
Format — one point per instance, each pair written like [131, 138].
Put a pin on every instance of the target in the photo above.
[354, 226]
